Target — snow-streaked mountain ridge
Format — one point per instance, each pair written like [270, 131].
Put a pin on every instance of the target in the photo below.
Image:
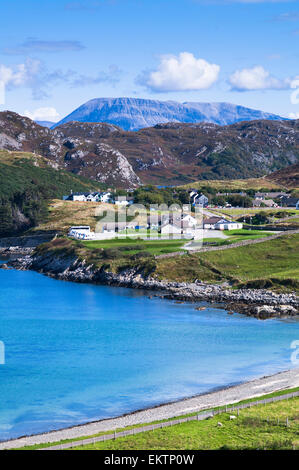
[135, 113]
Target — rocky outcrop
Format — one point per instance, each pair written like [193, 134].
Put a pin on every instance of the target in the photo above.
[259, 303]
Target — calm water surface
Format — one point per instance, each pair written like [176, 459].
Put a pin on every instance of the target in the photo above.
[76, 353]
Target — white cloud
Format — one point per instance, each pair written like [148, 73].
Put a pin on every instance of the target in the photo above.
[21, 74]
[43, 114]
[256, 78]
[33, 74]
[181, 73]
[27, 74]
[5, 74]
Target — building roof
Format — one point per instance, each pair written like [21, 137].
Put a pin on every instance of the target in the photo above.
[292, 201]
[214, 220]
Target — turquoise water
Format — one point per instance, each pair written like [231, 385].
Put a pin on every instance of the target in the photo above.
[76, 353]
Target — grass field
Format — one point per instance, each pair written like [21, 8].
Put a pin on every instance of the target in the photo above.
[254, 428]
[241, 235]
[235, 236]
[155, 247]
[278, 258]
[236, 213]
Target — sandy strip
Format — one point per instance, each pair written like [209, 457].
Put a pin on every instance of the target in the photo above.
[254, 388]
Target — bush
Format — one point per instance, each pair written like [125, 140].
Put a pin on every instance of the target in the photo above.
[111, 253]
[131, 248]
[141, 254]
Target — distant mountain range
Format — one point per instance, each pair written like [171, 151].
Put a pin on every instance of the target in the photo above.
[166, 154]
[132, 114]
[46, 123]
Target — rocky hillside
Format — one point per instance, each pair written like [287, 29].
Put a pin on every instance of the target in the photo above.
[171, 153]
[132, 114]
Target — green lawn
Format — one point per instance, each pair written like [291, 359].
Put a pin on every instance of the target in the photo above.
[243, 234]
[235, 236]
[154, 247]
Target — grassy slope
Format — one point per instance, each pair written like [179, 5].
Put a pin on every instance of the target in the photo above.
[251, 430]
[277, 258]
[242, 184]
[64, 214]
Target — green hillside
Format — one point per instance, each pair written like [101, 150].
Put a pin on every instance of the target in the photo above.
[27, 181]
[20, 171]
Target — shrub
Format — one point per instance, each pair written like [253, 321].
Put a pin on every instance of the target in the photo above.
[141, 254]
[111, 253]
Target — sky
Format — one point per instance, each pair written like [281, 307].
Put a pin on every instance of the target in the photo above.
[57, 54]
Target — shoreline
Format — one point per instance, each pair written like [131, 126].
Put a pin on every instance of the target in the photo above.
[229, 394]
[259, 303]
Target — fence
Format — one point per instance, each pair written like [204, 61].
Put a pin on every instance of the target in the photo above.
[151, 427]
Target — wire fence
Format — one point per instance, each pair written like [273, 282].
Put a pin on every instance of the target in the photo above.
[152, 427]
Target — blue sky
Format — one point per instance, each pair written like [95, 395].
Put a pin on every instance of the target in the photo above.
[57, 54]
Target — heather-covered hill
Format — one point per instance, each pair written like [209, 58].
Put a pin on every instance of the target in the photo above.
[288, 177]
[170, 154]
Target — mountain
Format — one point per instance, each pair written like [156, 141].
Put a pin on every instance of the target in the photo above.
[166, 154]
[133, 113]
[46, 123]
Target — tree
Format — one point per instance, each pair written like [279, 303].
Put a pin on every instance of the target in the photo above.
[6, 219]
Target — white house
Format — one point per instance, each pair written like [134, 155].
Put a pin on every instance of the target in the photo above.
[77, 197]
[209, 224]
[189, 219]
[105, 197]
[228, 225]
[83, 197]
[92, 197]
[169, 228]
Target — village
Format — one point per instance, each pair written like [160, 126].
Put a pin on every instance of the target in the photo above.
[197, 220]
